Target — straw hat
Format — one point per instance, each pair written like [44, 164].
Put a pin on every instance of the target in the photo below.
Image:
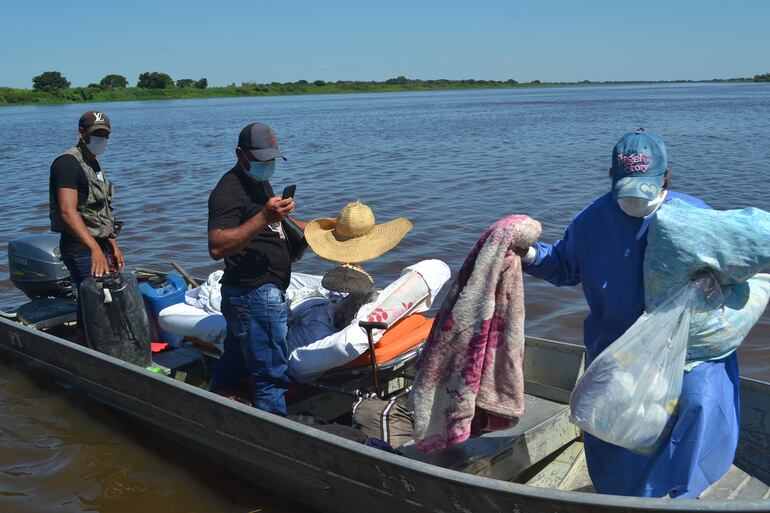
[354, 236]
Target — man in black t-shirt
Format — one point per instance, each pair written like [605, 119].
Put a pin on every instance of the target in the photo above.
[245, 229]
[80, 199]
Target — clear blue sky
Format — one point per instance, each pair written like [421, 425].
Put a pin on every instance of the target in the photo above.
[235, 41]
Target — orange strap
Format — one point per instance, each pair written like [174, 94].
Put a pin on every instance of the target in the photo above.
[398, 339]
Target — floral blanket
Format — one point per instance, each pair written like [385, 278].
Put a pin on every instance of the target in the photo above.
[470, 378]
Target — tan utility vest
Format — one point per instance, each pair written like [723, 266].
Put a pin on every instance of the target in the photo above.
[97, 211]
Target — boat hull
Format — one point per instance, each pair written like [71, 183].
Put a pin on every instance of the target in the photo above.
[327, 472]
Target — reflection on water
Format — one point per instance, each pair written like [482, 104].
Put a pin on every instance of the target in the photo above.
[452, 162]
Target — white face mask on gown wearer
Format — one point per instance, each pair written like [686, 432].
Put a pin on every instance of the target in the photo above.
[97, 145]
[640, 207]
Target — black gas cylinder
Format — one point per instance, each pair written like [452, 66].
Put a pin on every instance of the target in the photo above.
[114, 318]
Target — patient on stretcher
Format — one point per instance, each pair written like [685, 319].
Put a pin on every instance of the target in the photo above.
[348, 288]
[323, 324]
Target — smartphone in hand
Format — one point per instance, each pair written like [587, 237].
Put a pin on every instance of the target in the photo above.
[289, 191]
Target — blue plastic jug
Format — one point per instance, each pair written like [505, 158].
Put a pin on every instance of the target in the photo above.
[158, 293]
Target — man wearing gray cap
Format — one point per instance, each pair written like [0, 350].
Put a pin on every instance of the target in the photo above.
[245, 229]
[80, 198]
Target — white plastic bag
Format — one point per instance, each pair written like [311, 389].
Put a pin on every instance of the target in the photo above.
[629, 392]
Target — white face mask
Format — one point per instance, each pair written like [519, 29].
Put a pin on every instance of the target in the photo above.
[640, 207]
[98, 145]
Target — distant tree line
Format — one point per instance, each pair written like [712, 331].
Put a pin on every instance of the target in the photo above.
[400, 80]
[52, 87]
[52, 81]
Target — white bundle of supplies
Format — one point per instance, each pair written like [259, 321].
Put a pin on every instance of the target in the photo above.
[630, 390]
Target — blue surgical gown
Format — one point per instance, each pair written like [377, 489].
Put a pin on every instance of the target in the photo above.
[603, 249]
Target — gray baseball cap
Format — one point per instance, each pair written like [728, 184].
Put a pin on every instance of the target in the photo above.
[261, 141]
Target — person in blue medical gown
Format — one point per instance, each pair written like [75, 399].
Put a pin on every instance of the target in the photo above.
[603, 250]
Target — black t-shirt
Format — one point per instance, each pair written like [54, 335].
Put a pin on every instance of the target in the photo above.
[266, 258]
[67, 173]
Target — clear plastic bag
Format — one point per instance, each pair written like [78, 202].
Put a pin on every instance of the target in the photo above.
[629, 392]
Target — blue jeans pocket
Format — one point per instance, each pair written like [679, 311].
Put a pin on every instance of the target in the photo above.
[237, 312]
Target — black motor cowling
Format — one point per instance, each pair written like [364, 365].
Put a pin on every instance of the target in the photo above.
[36, 268]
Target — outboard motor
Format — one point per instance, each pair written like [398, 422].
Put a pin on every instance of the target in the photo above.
[114, 317]
[36, 268]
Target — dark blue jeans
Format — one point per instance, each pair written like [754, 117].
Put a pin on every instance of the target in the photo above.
[255, 345]
[78, 263]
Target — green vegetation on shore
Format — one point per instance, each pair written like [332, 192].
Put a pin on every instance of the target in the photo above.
[52, 88]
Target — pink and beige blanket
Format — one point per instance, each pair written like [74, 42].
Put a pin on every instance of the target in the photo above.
[470, 378]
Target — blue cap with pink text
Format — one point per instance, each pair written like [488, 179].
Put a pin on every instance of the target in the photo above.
[639, 163]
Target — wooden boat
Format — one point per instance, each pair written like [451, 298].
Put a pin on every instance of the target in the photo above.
[535, 467]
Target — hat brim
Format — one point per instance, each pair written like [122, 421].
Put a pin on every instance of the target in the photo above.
[648, 187]
[93, 128]
[266, 154]
[347, 280]
[321, 238]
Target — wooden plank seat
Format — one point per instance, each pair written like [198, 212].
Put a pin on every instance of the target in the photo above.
[541, 432]
[507, 453]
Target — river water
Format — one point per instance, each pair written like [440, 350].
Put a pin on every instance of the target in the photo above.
[452, 162]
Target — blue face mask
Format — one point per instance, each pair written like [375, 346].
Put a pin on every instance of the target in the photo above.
[261, 171]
